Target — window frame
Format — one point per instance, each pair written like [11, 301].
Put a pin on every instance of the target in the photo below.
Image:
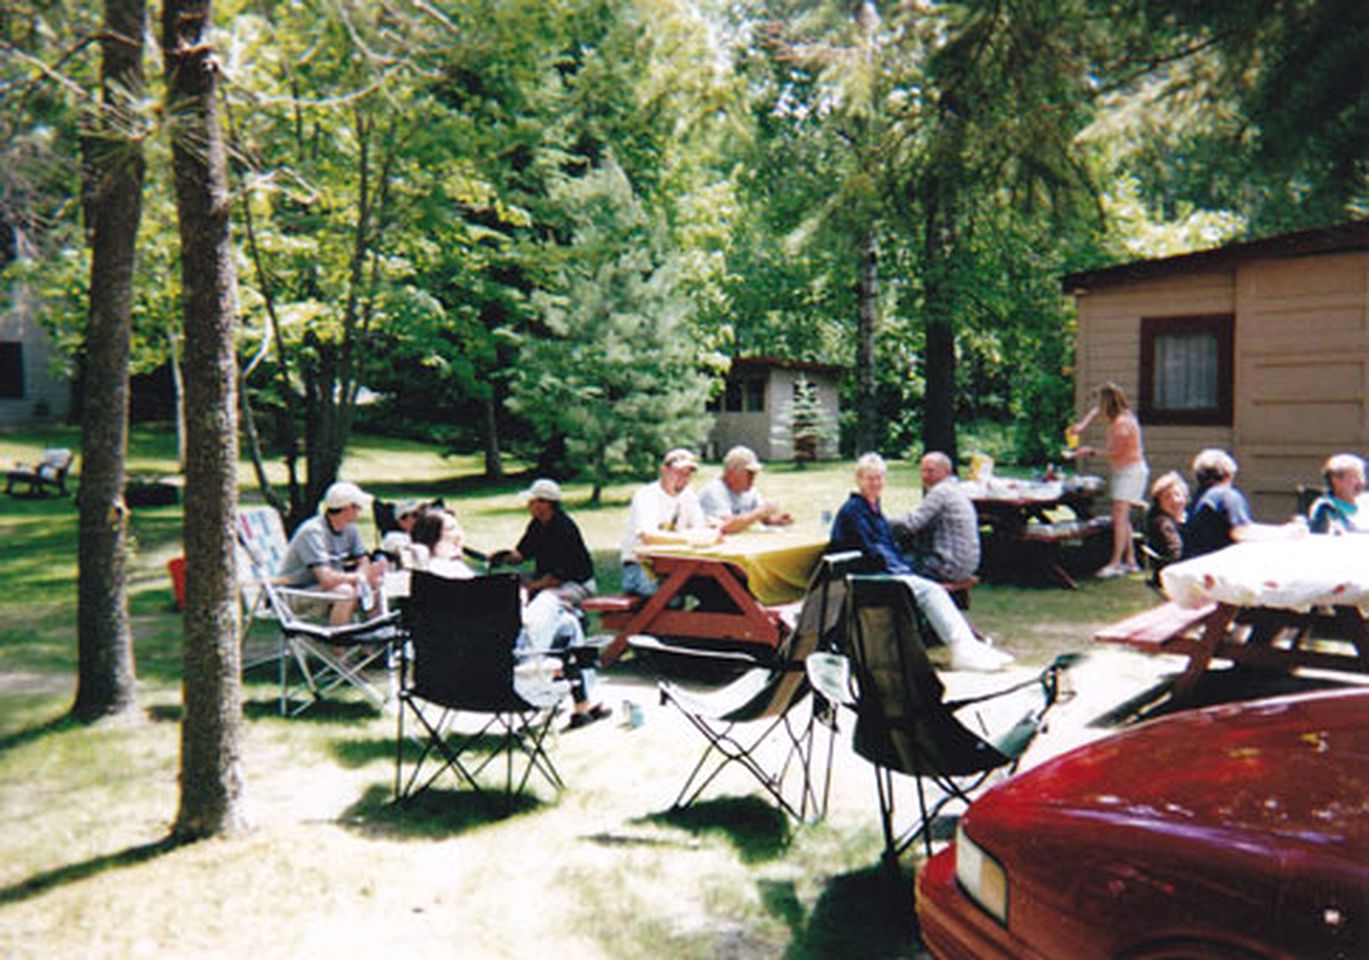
[1223, 328]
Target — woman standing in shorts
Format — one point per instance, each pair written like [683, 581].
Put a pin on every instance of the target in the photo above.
[1127, 462]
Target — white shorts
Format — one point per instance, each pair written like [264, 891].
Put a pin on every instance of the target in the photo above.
[1129, 483]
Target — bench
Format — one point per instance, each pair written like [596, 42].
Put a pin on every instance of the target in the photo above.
[50, 471]
[1047, 539]
[614, 609]
[960, 591]
[1154, 629]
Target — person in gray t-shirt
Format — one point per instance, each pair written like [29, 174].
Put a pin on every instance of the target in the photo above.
[731, 500]
[940, 536]
[323, 547]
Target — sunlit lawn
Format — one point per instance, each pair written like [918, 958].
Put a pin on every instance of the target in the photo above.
[603, 870]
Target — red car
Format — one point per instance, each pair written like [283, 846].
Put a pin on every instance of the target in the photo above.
[1239, 831]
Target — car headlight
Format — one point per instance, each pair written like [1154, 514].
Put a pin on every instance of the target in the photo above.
[982, 877]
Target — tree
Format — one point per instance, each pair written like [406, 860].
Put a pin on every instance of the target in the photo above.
[614, 381]
[212, 783]
[113, 181]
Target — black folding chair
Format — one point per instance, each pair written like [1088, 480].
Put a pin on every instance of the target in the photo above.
[903, 723]
[464, 661]
[739, 719]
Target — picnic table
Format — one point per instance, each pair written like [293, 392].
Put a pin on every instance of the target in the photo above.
[1021, 527]
[1277, 605]
[749, 579]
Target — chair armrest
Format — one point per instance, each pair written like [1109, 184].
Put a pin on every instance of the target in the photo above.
[830, 675]
[643, 641]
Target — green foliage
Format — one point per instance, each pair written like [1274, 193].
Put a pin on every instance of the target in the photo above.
[613, 379]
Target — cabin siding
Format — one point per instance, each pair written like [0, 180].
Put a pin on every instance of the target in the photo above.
[1301, 364]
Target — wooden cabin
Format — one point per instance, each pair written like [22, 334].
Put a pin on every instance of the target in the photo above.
[1260, 348]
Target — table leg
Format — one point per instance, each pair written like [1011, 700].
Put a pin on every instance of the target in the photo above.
[648, 611]
[1215, 628]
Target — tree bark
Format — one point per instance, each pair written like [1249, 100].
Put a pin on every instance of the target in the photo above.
[212, 784]
[113, 187]
[938, 415]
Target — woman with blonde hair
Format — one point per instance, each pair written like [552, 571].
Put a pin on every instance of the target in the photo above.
[1127, 462]
[1166, 517]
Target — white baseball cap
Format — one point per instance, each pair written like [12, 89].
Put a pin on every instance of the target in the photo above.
[742, 458]
[344, 494]
[681, 459]
[543, 489]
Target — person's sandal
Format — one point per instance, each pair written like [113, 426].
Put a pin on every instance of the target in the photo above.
[592, 715]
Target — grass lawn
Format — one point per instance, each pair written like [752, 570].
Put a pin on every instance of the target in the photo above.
[605, 869]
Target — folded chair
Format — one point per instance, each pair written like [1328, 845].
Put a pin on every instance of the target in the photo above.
[765, 702]
[903, 723]
[464, 636]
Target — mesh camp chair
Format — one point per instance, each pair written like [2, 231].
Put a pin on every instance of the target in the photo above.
[767, 702]
[904, 724]
[325, 656]
[464, 636]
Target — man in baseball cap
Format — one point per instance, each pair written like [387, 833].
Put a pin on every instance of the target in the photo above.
[732, 501]
[553, 542]
[326, 552]
[661, 512]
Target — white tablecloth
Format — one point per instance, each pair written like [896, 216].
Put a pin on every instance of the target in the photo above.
[1291, 574]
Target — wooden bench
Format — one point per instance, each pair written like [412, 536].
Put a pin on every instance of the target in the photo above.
[614, 609]
[1154, 629]
[51, 471]
[960, 591]
[1048, 539]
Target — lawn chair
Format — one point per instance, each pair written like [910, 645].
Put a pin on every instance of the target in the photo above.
[326, 656]
[739, 719]
[50, 471]
[463, 635]
[903, 723]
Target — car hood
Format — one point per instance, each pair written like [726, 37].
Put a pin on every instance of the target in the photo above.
[1292, 767]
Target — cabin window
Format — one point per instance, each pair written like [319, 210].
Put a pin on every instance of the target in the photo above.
[745, 396]
[1186, 367]
[11, 371]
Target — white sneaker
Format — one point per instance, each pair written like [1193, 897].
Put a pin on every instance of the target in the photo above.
[979, 656]
[1110, 571]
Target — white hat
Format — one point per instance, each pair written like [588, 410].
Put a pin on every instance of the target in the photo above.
[543, 489]
[742, 458]
[344, 494]
[681, 458]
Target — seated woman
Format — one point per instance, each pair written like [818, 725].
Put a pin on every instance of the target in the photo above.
[1336, 511]
[1221, 514]
[1165, 519]
[547, 625]
[861, 525]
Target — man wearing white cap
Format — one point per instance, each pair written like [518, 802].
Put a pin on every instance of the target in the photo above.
[661, 512]
[552, 541]
[732, 501]
[323, 547]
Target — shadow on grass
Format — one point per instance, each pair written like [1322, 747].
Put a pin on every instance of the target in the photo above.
[436, 813]
[27, 735]
[41, 883]
[865, 913]
[319, 711]
[757, 830]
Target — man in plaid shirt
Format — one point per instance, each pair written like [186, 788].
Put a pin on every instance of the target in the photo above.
[941, 536]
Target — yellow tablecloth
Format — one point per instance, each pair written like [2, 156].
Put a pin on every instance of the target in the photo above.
[777, 564]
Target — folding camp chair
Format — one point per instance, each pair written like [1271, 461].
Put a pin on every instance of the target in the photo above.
[326, 656]
[463, 635]
[739, 719]
[903, 723]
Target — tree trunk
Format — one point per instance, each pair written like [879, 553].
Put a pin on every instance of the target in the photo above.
[212, 785]
[938, 415]
[106, 681]
[494, 461]
[868, 432]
